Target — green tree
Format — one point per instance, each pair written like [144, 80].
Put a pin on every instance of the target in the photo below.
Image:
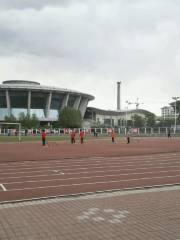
[10, 119]
[166, 122]
[28, 121]
[150, 120]
[137, 120]
[70, 118]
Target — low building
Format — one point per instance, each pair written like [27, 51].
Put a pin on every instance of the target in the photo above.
[99, 117]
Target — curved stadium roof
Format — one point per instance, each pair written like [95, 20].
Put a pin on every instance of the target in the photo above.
[18, 96]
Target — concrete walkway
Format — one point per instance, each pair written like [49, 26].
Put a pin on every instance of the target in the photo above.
[152, 214]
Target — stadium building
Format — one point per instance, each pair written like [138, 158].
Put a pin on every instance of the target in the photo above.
[17, 96]
[28, 97]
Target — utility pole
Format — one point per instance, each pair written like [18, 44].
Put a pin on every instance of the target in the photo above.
[175, 98]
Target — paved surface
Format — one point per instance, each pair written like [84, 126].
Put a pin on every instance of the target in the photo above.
[128, 215]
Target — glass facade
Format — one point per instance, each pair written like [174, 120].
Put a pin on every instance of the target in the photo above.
[18, 99]
[71, 100]
[53, 114]
[56, 101]
[3, 113]
[18, 103]
[16, 111]
[38, 100]
[3, 99]
[38, 112]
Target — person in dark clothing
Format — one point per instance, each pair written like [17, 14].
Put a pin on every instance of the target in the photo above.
[128, 137]
[169, 133]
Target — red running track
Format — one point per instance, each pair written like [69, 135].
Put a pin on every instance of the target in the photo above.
[22, 180]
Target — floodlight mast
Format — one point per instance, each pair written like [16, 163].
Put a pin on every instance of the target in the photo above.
[137, 103]
[128, 103]
[175, 113]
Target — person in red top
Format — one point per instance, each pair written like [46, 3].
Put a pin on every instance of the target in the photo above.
[81, 136]
[43, 137]
[73, 134]
[113, 136]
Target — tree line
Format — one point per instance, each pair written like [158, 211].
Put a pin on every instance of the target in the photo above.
[71, 118]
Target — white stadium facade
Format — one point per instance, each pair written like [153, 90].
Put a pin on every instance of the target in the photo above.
[17, 96]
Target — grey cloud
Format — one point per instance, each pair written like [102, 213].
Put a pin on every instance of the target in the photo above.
[35, 4]
[135, 41]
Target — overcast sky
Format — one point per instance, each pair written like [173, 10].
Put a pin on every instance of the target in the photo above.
[89, 45]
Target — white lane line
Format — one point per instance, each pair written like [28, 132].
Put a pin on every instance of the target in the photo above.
[89, 177]
[96, 167]
[97, 163]
[94, 183]
[85, 172]
[119, 159]
[3, 187]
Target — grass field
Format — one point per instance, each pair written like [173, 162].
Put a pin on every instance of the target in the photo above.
[32, 138]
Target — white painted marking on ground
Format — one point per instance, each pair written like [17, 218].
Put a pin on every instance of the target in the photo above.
[89, 177]
[97, 167]
[3, 187]
[94, 183]
[108, 210]
[109, 215]
[119, 160]
[98, 219]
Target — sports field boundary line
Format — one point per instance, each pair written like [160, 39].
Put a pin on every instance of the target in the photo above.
[76, 195]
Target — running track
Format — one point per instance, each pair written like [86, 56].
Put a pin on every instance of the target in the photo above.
[38, 179]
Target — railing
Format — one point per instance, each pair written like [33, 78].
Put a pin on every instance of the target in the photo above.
[148, 131]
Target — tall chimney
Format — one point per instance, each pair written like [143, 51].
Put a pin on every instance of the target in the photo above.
[118, 96]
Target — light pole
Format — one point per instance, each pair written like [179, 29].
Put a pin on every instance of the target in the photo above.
[128, 103]
[175, 98]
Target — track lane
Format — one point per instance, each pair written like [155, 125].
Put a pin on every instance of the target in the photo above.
[86, 188]
[101, 174]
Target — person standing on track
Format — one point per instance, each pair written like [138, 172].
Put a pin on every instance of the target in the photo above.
[128, 137]
[81, 136]
[113, 136]
[43, 137]
[169, 133]
[73, 134]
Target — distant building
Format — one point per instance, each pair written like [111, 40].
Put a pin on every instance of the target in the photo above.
[108, 118]
[167, 112]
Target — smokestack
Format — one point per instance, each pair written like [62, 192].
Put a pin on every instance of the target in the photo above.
[118, 96]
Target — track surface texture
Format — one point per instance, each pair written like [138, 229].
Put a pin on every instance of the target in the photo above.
[30, 171]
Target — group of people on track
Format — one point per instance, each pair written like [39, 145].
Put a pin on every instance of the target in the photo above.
[81, 136]
[72, 134]
[113, 135]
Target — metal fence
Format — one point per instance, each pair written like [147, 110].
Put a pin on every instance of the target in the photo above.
[157, 131]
